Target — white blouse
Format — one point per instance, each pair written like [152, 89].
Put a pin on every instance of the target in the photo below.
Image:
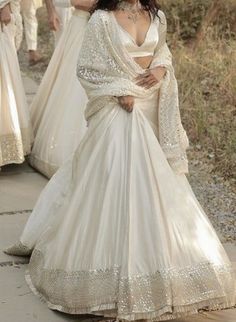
[148, 46]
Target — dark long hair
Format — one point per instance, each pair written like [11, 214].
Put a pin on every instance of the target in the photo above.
[110, 5]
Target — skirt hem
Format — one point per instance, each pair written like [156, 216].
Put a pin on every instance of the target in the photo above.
[45, 168]
[15, 147]
[110, 308]
[166, 313]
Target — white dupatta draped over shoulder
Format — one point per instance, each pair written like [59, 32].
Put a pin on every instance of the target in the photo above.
[106, 70]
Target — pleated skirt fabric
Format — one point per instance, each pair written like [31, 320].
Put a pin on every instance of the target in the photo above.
[57, 111]
[15, 125]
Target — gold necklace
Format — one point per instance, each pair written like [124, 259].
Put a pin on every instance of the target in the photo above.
[133, 10]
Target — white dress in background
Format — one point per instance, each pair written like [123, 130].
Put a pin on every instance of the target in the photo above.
[57, 111]
[64, 11]
[118, 231]
[15, 127]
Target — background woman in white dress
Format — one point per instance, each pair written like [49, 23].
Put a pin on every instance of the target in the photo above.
[15, 128]
[59, 14]
[57, 111]
[64, 11]
[124, 235]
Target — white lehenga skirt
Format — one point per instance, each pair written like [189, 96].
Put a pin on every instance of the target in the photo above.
[124, 236]
[15, 129]
[57, 111]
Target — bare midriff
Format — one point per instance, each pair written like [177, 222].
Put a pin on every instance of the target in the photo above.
[144, 62]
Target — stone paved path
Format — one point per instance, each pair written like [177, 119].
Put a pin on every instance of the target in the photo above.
[20, 186]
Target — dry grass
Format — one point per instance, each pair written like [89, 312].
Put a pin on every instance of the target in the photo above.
[185, 17]
[207, 78]
[207, 83]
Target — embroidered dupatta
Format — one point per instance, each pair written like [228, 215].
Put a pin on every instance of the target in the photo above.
[106, 70]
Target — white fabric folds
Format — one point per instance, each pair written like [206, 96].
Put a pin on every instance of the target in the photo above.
[15, 127]
[57, 111]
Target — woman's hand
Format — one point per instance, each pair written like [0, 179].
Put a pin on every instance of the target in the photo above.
[127, 103]
[5, 15]
[83, 4]
[54, 21]
[151, 77]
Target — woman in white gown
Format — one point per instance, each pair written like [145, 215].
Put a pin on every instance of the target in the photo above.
[64, 11]
[124, 235]
[57, 111]
[15, 128]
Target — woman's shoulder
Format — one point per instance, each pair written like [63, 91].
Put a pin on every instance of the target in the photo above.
[99, 15]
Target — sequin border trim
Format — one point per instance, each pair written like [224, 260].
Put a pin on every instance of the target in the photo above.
[164, 295]
[13, 147]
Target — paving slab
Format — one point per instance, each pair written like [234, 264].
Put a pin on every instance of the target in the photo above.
[217, 316]
[18, 304]
[20, 190]
[11, 227]
[16, 168]
[231, 251]
[30, 88]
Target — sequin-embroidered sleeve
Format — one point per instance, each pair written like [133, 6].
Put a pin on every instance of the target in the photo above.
[91, 64]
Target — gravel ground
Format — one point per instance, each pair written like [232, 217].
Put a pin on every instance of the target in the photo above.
[216, 195]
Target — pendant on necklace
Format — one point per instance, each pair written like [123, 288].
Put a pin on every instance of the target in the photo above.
[133, 17]
[133, 11]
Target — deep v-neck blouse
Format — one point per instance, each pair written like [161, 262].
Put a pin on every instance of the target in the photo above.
[147, 48]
